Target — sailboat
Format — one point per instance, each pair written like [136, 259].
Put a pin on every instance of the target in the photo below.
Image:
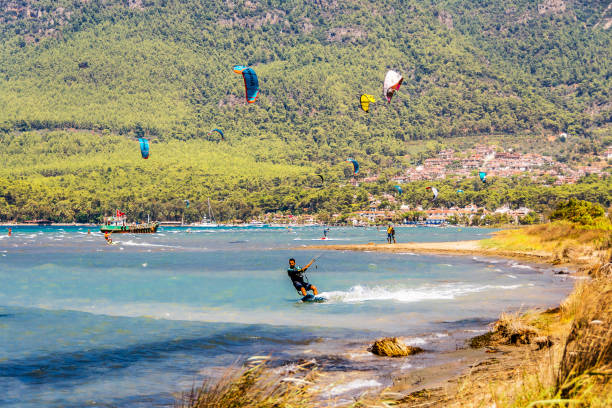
[207, 221]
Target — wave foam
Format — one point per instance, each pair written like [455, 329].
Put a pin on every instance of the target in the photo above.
[519, 266]
[321, 239]
[146, 244]
[353, 385]
[364, 293]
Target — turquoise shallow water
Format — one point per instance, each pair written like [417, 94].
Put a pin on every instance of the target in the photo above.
[82, 322]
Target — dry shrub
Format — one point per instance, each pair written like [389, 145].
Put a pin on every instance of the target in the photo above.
[483, 340]
[253, 387]
[392, 347]
[512, 330]
[587, 357]
[543, 342]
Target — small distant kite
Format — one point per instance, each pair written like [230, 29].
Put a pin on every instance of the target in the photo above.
[144, 148]
[218, 131]
[459, 191]
[186, 203]
[434, 191]
[483, 176]
[365, 101]
[355, 165]
[393, 81]
[251, 83]
[399, 190]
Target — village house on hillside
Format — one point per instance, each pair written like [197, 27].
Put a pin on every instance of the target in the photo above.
[431, 216]
[496, 164]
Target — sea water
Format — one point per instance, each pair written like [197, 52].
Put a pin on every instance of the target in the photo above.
[85, 323]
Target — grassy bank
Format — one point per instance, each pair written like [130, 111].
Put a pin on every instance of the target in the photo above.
[558, 242]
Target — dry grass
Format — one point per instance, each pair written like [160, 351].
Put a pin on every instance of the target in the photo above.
[561, 241]
[517, 329]
[392, 347]
[578, 372]
[586, 365]
[254, 386]
[512, 329]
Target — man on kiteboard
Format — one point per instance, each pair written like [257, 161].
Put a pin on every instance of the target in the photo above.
[296, 274]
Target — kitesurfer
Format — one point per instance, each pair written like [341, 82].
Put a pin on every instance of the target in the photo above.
[325, 231]
[10, 232]
[107, 237]
[296, 274]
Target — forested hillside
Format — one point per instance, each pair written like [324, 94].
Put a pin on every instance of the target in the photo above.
[162, 69]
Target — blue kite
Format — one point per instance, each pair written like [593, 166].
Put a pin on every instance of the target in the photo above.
[355, 165]
[144, 148]
[251, 83]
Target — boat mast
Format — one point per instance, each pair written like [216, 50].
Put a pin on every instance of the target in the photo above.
[210, 213]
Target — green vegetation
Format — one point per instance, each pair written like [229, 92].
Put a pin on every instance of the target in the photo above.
[116, 70]
[77, 175]
[581, 212]
[560, 241]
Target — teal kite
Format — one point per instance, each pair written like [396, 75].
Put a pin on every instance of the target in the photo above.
[144, 148]
[355, 165]
[251, 83]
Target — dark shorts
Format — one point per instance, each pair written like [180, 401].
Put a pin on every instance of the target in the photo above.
[299, 285]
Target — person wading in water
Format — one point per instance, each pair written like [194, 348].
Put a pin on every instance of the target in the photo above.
[296, 274]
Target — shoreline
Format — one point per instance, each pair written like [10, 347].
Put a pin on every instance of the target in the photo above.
[431, 385]
[461, 248]
[459, 382]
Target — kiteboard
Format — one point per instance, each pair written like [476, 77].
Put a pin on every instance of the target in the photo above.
[310, 298]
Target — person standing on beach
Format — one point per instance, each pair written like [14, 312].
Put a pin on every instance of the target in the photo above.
[390, 234]
[296, 274]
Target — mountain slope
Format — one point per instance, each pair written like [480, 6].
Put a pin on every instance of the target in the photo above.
[162, 69]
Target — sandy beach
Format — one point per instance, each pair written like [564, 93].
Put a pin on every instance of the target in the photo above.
[474, 247]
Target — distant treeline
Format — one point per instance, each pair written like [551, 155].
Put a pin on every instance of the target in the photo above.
[75, 176]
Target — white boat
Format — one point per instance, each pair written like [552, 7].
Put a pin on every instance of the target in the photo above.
[207, 222]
